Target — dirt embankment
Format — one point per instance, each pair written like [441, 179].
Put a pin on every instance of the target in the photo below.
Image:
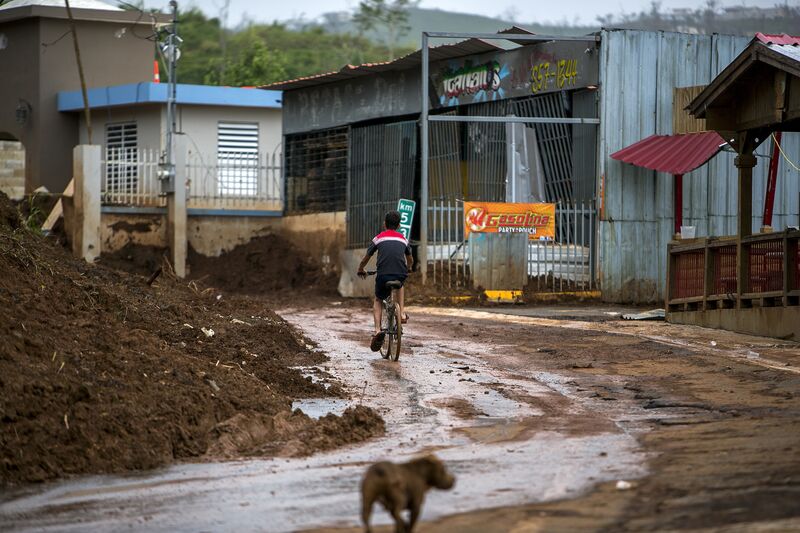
[265, 266]
[100, 372]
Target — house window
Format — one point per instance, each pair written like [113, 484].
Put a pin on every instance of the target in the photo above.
[237, 159]
[122, 157]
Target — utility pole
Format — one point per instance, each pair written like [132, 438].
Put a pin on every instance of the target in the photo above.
[74, 31]
[171, 53]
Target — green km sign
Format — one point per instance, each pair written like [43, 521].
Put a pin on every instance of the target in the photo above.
[406, 210]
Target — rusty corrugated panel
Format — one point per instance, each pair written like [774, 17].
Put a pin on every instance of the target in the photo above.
[674, 154]
[498, 261]
[436, 53]
[638, 71]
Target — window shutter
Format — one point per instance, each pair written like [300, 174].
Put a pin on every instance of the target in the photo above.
[237, 159]
[122, 156]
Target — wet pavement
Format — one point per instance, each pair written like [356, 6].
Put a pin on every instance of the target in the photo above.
[456, 397]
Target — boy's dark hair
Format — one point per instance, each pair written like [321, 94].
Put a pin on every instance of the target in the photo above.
[392, 220]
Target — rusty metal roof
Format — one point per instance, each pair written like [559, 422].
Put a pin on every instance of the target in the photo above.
[437, 53]
[675, 154]
[782, 39]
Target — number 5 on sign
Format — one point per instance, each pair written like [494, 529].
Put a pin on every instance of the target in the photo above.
[406, 210]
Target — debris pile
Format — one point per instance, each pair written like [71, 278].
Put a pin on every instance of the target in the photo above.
[265, 265]
[100, 372]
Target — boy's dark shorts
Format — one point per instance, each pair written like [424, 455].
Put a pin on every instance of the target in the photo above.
[381, 292]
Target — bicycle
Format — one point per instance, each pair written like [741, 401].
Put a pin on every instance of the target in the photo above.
[391, 322]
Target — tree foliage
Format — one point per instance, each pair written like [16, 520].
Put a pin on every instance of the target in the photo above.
[389, 16]
[259, 54]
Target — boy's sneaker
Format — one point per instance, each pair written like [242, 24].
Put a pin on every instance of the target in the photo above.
[377, 341]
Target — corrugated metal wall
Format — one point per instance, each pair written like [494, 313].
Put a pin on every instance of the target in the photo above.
[638, 71]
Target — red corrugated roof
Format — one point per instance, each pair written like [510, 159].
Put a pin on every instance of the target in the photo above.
[675, 154]
[778, 39]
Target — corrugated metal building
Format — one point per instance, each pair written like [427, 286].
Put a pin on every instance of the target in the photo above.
[371, 112]
[638, 71]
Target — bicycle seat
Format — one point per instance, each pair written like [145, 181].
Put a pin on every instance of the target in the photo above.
[394, 284]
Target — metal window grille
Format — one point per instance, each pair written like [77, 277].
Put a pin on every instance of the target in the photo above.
[122, 156]
[555, 142]
[316, 171]
[689, 272]
[484, 152]
[766, 266]
[724, 260]
[237, 159]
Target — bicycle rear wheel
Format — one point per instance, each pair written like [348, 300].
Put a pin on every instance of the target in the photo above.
[386, 326]
[396, 337]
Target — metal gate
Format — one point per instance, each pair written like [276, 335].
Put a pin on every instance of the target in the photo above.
[470, 161]
[382, 169]
[564, 264]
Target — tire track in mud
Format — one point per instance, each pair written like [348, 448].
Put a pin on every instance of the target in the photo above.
[510, 436]
[699, 338]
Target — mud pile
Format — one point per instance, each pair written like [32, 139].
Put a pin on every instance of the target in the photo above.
[100, 372]
[135, 259]
[265, 265]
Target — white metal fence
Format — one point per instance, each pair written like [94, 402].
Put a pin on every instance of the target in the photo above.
[236, 180]
[563, 264]
[233, 181]
[130, 177]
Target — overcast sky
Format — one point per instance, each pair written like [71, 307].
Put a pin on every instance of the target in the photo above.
[582, 11]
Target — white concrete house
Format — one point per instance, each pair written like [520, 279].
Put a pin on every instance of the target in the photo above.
[231, 136]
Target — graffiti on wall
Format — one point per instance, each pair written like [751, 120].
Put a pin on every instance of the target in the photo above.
[547, 76]
[534, 69]
[471, 83]
[471, 79]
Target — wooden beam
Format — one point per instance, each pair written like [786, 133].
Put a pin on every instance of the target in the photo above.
[682, 121]
[58, 209]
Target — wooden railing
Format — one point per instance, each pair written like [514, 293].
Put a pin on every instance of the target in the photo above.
[704, 273]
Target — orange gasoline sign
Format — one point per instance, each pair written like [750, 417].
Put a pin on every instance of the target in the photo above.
[537, 220]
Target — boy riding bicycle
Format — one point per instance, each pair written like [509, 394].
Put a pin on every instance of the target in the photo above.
[394, 263]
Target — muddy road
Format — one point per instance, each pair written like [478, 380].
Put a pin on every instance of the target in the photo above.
[537, 417]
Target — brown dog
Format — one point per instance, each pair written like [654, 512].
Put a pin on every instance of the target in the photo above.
[402, 486]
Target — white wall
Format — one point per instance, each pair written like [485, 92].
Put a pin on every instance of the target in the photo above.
[199, 123]
[147, 117]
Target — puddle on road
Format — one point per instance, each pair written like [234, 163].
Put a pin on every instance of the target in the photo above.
[319, 407]
[477, 430]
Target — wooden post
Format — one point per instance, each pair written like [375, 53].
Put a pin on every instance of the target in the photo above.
[772, 179]
[744, 163]
[789, 266]
[670, 283]
[677, 195]
[708, 273]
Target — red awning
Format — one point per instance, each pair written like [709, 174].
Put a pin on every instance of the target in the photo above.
[675, 154]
